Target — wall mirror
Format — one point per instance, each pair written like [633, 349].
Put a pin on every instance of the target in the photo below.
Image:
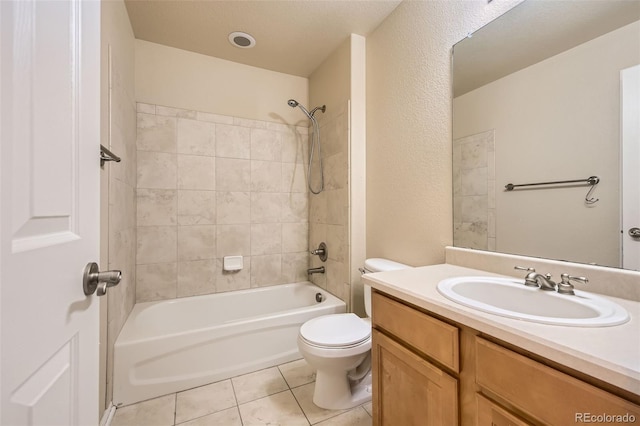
[545, 93]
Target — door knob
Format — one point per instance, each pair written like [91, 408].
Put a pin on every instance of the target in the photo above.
[95, 281]
[634, 232]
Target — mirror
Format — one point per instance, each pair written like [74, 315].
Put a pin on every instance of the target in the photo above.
[537, 98]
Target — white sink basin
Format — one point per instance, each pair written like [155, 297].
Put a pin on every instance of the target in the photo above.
[509, 297]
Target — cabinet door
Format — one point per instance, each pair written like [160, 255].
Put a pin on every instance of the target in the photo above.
[490, 414]
[408, 390]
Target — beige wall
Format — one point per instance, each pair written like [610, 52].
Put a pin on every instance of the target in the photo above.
[210, 186]
[571, 137]
[330, 85]
[357, 170]
[181, 79]
[336, 215]
[409, 201]
[118, 133]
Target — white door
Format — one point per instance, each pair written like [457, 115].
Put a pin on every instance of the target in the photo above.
[630, 132]
[49, 210]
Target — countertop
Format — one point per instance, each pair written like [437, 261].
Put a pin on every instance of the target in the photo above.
[611, 354]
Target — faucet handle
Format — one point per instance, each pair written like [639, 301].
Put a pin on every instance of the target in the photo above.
[528, 281]
[565, 286]
[321, 252]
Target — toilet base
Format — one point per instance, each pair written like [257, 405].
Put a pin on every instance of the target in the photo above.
[337, 392]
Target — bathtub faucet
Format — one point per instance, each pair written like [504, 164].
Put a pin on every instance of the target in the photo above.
[319, 270]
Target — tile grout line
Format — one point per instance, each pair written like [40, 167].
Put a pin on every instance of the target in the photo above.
[299, 405]
[236, 399]
[175, 407]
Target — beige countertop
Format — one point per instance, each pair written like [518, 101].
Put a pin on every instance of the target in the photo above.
[611, 354]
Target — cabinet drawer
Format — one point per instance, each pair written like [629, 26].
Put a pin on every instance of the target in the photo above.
[542, 392]
[489, 413]
[433, 337]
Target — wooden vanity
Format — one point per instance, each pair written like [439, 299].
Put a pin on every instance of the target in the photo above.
[429, 369]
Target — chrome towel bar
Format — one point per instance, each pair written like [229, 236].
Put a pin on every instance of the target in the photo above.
[591, 180]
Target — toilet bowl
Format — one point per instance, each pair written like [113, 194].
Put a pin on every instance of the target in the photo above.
[338, 347]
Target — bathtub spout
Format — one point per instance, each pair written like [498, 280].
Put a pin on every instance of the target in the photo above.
[319, 270]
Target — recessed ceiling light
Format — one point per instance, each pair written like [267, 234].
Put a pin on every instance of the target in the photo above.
[242, 40]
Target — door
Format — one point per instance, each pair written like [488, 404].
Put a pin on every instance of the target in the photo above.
[49, 215]
[630, 135]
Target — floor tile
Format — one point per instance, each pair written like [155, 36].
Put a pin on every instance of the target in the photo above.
[368, 407]
[258, 384]
[154, 412]
[204, 400]
[315, 414]
[279, 409]
[356, 417]
[228, 417]
[297, 373]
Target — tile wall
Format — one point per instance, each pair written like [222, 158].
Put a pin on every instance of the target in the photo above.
[474, 192]
[122, 205]
[210, 186]
[329, 210]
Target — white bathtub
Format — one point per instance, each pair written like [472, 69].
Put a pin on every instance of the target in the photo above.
[173, 345]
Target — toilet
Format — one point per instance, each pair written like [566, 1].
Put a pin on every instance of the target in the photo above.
[338, 347]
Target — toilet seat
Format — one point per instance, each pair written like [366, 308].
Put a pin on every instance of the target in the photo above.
[336, 331]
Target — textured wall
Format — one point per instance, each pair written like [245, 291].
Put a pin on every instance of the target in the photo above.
[409, 201]
[118, 132]
[211, 186]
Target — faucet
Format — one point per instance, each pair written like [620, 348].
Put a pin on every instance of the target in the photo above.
[565, 287]
[534, 279]
[321, 252]
[319, 270]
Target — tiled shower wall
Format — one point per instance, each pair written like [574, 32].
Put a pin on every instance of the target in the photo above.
[210, 186]
[122, 202]
[474, 192]
[329, 210]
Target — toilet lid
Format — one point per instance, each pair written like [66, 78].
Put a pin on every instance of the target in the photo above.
[336, 330]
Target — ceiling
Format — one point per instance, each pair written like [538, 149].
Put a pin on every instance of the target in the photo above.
[292, 36]
[532, 32]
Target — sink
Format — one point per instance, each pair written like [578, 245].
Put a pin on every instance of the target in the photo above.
[509, 297]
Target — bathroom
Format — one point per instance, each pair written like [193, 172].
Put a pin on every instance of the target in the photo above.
[388, 114]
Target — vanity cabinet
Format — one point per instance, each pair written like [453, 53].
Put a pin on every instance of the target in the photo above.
[541, 392]
[409, 390]
[429, 370]
[408, 387]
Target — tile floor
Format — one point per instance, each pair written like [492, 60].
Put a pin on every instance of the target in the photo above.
[274, 396]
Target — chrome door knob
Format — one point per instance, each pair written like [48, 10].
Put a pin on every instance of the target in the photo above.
[95, 281]
[634, 232]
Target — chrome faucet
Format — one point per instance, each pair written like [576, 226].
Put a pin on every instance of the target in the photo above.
[319, 270]
[565, 286]
[534, 279]
[321, 252]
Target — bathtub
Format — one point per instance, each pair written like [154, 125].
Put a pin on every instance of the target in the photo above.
[173, 345]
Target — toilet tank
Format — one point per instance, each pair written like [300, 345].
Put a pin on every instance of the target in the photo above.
[377, 264]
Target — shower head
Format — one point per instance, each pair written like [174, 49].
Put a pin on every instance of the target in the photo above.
[293, 103]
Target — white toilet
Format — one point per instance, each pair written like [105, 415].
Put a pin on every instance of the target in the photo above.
[338, 346]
